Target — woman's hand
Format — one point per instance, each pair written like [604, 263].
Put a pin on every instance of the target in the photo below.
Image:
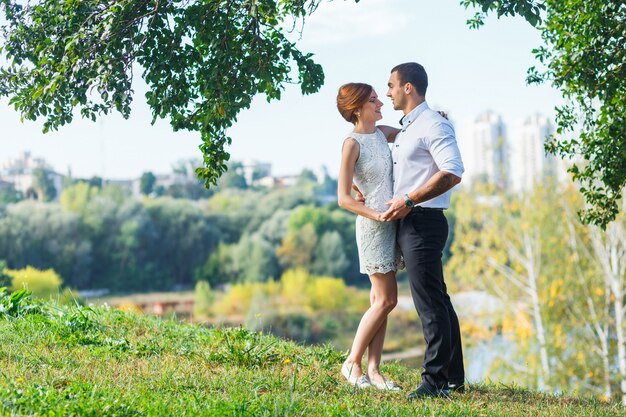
[358, 195]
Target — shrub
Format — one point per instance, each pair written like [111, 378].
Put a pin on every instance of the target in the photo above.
[294, 294]
[203, 299]
[327, 293]
[5, 280]
[42, 283]
[237, 300]
[131, 307]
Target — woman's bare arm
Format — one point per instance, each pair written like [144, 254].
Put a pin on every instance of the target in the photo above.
[349, 156]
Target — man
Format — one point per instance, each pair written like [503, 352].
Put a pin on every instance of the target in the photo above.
[426, 165]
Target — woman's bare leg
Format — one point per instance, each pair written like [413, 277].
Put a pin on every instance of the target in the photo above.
[384, 297]
[375, 348]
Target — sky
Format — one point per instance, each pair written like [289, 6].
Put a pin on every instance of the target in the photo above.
[470, 71]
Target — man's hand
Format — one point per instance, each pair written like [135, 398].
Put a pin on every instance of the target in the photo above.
[397, 210]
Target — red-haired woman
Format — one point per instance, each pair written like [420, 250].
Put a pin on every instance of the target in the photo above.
[366, 162]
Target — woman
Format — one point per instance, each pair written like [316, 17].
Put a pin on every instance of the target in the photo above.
[366, 162]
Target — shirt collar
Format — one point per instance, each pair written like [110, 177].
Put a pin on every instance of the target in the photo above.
[412, 115]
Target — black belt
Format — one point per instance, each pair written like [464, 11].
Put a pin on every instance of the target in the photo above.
[421, 209]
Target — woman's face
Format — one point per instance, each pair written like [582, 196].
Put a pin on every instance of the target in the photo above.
[371, 110]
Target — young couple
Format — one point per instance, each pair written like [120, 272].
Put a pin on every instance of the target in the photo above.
[400, 198]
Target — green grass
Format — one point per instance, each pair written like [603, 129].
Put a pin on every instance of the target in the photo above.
[78, 361]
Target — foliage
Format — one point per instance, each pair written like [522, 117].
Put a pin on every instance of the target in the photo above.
[5, 280]
[559, 299]
[192, 190]
[254, 259]
[585, 60]
[298, 248]
[293, 293]
[583, 56]
[251, 259]
[8, 195]
[44, 237]
[146, 183]
[529, 9]
[104, 238]
[203, 62]
[218, 267]
[204, 298]
[330, 255]
[296, 291]
[16, 304]
[120, 364]
[327, 293]
[76, 197]
[238, 300]
[320, 239]
[43, 184]
[42, 284]
[234, 177]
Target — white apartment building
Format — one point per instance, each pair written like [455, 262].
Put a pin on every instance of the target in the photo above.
[484, 148]
[253, 171]
[20, 172]
[529, 162]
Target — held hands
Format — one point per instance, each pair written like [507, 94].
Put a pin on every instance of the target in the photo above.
[397, 210]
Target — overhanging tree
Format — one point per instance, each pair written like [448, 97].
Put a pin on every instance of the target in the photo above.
[203, 61]
[583, 55]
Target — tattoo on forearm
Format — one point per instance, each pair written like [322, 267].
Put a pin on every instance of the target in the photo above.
[443, 184]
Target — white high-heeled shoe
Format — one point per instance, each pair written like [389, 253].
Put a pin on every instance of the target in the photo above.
[358, 381]
[386, 385]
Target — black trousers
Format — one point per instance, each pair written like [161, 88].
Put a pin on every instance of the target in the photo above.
[422, 236]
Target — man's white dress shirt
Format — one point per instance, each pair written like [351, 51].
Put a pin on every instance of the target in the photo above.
[425, 145]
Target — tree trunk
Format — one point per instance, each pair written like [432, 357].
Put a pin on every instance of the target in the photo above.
[600, 327]
[610, 252]
[533, 255]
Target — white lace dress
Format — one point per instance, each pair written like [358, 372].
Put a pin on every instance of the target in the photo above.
[378, 250]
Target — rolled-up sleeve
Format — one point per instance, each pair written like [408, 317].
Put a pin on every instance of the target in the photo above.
[444, 149]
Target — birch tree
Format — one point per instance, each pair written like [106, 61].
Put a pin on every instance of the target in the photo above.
[609, 248]
[503, 241]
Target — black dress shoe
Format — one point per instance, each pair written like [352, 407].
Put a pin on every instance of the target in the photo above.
[425, 390]
[456, 387]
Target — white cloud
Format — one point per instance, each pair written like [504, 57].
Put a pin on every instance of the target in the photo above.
[336, 22]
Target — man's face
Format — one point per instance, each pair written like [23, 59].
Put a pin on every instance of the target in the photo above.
[396, 92]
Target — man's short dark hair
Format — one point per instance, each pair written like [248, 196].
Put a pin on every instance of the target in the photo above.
[414, 73]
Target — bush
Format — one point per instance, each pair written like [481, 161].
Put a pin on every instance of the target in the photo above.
[294, 292]
[237, 301]
[327, 293]
[42, 283]
[203, 299]
[5, 280]
[131, 307]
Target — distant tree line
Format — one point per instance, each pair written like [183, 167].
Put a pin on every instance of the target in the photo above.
[101, 237]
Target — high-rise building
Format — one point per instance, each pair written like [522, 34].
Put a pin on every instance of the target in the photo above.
[529, 162]
[485, 151]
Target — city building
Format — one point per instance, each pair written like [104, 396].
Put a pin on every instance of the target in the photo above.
[529, 162]
[22, 172]
[254, 171]
[484, 148]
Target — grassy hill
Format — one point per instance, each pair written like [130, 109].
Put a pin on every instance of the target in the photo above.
[78, 361]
